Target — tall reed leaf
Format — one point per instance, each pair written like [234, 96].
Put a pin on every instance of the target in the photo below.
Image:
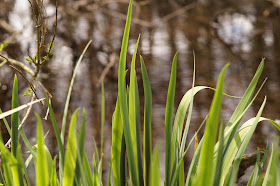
[69, 93]
[123, 100]
[147, 122]
[58, 138]
[206, 164]
[244, 145]
[116, 144]
[42, 173]
[79, 172]
[244, 102]
[15, 118]
[168, 119]
[71, 152]
[136, 143]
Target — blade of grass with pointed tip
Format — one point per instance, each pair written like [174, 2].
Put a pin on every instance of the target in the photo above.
[63, 125]
[123, 99]
[42, 176]
[136, 143]
[243, 146]
[15, 118]
[232, 128]
[210, 134]
[58, 137]
[180, 117]
[71, 152]
[183, 142]
[169, 118]
[147, 122]
[138, 135]
[244, 102]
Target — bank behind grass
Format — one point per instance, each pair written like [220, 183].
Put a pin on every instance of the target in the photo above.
[216, 159]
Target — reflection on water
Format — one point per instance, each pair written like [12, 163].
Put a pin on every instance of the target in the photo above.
[227, 32]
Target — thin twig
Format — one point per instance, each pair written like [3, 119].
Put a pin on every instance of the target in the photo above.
[177, 12]
[17, 63]
[107, 68]
[54, 34]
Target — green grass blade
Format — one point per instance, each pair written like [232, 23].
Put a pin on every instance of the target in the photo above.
[155, 168]
[71, 152]
[147, 122]
[55, 127]
[94, 175]
[218, 170]
[243, 104]
[87, 169]
[193, 166]
[138, 135]
[244, 145]
[134, 126]
[54, 180]
[7, 158]
[15, 118]
[42, 177]
[27, 144]
[99, 172]
[168, 120]
[63, 126]
[79, 171]
[255, 174]
[116, 144]
[207, 152]
[22, 172]
[123, 162]
[235, 144]
[123, 99]
[272, 172]
[58, 137]
[102, 115]
[184, 139]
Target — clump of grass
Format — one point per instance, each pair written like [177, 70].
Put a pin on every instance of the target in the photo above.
[215, 162]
